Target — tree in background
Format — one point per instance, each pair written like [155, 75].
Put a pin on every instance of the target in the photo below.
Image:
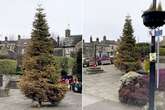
[143, 50]
[40, 79]
[7, 66]
[77, 68]
[126, 57]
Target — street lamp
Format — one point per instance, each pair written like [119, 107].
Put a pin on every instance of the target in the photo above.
[152, 20]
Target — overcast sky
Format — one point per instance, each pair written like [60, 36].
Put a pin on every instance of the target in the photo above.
[16, 16]
[106, 17]
[87, 17]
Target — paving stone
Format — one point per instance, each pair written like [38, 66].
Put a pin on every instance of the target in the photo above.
[104, 86]
[17, 101]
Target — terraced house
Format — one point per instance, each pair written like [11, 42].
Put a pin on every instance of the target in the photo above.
[102, 47]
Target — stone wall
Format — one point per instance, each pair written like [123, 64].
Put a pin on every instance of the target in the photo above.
[9, 81]
[5, 81]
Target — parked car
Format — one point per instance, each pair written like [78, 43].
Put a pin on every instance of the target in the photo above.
[92, 62]
[105, 60]
[86, 62]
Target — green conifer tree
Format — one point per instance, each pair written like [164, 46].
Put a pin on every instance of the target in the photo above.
[126, 56]
[77, 67]
[40, 80]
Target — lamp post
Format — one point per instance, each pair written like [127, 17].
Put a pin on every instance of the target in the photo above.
[153, 19]
[152, 70]
[152, 75]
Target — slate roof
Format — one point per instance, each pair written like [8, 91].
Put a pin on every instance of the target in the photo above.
[23, 42]
[102, 43]
[10, 41]
[112, 42]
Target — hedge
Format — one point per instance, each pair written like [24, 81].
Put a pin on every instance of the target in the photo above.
[67, 61]
[147, 65]
[7, 66]
[162, 51]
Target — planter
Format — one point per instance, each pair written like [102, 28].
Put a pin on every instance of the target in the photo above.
[153, 19]
[94, 70]
[9, 81]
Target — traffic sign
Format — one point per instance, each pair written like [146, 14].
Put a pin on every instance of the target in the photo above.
[158, 32]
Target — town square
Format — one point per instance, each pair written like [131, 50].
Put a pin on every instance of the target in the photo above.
[40, 69]
[82, 55]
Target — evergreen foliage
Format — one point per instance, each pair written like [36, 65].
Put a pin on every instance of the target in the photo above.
[126, 57]
[7, 66]
[143, 50]
[40, 80]
[77, 69]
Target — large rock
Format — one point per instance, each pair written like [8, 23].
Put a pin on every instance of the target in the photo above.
[134, 89]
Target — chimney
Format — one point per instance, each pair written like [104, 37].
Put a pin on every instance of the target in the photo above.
[104, 38]
[58, 41]
[91, 39]
[19, 37]
[97, 40]
[67, 33]
[6, 39]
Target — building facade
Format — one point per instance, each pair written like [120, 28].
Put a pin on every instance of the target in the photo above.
[99, 47]
[71, 43]
[66, 47]
[8, 48]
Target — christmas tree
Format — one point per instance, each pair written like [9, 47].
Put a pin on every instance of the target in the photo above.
[126, 56]
[40, 79]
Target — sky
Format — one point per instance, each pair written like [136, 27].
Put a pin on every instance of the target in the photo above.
[87, 17]
[107, 17]
[16, 17]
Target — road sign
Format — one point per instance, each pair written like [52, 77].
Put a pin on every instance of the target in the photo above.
[158, 32]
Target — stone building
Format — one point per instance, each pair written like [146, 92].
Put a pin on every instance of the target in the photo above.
[104, 46]
[8, 48]
[65, 47]
[71, 43]
[10, 45]
[58, 50]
